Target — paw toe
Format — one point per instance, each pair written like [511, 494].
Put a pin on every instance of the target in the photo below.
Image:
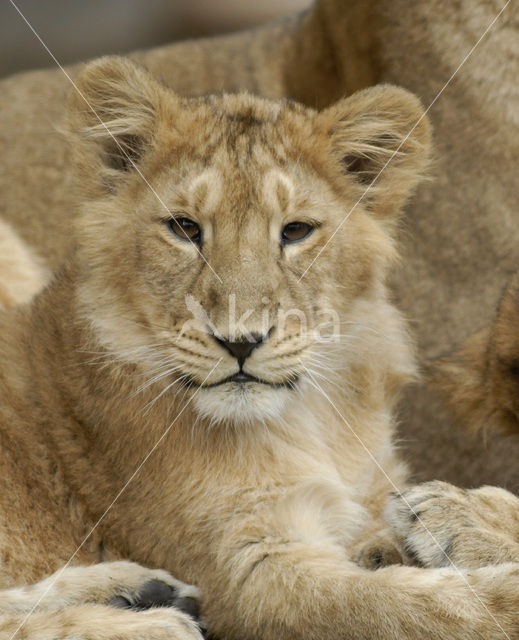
[189, 606]
[155, 593]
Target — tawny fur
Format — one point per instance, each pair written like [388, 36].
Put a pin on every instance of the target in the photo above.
[271, 499]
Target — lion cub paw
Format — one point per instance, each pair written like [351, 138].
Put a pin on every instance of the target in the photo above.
[126, 585]
[378, 552]
[438, 524]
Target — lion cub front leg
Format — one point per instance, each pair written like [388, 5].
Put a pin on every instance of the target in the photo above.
[438, 524]
[98, 622]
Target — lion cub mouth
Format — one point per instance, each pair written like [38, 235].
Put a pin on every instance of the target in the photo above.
[242, 378]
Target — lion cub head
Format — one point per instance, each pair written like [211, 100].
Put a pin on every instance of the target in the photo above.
[223, 239]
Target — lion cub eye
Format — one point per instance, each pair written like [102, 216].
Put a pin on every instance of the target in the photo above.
[295, 231]
[185, 229]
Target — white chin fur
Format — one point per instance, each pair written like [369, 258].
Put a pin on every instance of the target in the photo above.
[241, 404]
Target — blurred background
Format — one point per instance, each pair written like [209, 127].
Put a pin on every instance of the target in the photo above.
[76, 30]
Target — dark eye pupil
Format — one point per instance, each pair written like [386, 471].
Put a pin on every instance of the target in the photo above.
[185, 229]
[295, 231]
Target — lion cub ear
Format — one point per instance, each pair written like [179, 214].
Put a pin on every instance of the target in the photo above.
[381, 137]
[112, 119]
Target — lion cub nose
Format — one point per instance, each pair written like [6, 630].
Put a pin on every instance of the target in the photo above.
[243, 348]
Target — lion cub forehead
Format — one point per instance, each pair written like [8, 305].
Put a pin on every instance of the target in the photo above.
[206, 191]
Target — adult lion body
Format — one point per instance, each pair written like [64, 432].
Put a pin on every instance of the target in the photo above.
[263, 481]
[462, 226]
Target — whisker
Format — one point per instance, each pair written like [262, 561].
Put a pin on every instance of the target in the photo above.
[156, 378]
[148, 406]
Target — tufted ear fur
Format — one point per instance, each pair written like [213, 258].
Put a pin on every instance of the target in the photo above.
[382, 139]
[112, 119]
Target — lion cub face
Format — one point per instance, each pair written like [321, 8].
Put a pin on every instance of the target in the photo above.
[224, 240]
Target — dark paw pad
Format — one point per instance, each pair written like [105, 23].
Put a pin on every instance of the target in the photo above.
[158, 594]
[155, 594]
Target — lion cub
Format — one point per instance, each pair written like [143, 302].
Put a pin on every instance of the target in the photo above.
[208, 384]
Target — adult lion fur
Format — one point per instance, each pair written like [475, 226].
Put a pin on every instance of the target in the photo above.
[122, 417]
[461, 243]
[480, 378]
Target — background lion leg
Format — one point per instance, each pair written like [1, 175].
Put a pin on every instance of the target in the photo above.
[97, 622]
[128, 582]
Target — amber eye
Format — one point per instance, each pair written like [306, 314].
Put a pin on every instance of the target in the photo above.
[185, 229]
[295, 231]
